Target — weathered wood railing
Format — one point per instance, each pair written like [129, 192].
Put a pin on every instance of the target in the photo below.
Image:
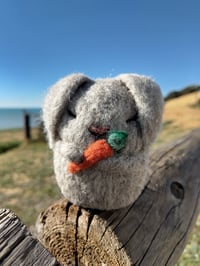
[17, 246]
[152, 231]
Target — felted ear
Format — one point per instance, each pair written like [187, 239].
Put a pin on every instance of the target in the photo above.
[149, 101]
[56, 101]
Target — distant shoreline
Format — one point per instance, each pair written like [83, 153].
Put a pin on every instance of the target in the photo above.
[21, 108]
[13, 118]
[14, 129]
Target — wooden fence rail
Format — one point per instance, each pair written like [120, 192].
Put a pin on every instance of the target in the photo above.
[18, 247]
[152, 231]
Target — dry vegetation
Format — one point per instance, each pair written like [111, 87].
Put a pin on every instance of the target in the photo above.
[181, 115]
[27, 184]
[182, 111]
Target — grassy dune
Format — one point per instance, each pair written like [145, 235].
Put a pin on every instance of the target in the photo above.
[181, 115]
[27, 183]
[183, 111]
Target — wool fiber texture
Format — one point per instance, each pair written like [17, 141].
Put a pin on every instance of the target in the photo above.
[128, 103]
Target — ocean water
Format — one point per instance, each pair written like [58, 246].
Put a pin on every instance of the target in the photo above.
[11, 118]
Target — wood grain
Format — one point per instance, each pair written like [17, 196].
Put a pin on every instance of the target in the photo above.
[17, 246]
[152, 231]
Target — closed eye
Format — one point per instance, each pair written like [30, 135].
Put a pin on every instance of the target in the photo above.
[70, 113]
[134, 118]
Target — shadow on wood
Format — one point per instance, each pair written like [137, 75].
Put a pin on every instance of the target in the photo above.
[152, 231]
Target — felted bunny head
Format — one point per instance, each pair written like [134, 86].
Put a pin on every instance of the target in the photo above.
[100, 132]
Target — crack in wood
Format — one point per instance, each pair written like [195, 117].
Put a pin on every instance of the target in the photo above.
[124, 216]
[157, 255]
[137, 228]
[69, 204]
[76, 236]
[156, 233]
[90, 218]
[186, 232]
[116, 218]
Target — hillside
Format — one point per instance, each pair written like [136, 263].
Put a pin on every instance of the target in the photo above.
[181, 115]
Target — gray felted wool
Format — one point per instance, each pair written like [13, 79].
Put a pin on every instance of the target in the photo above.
[75, 104]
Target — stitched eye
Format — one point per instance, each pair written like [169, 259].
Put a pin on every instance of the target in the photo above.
[70, 113]
[134, 118]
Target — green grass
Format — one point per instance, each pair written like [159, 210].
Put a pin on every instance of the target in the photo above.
[6, 146]
[191, 254]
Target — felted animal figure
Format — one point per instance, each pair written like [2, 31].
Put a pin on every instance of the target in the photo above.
[100, 132]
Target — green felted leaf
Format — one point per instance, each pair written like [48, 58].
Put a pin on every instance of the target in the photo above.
[117, 139]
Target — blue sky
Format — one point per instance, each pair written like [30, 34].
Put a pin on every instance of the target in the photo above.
[44, 40]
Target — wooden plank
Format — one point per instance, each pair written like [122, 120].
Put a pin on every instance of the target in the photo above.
[17, 245]
[152, 231]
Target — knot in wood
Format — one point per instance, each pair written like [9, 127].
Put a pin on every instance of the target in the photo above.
[177, 190]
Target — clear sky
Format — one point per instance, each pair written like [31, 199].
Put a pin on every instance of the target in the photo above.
[43, 40]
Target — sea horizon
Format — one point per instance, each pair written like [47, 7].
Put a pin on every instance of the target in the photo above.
[13, 117]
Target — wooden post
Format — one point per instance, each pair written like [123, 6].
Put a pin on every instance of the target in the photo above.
[152, 231]
[27, 130]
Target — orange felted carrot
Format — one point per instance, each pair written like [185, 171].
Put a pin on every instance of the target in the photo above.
[95, 152]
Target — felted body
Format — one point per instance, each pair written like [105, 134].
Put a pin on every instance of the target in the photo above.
[129, 103]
